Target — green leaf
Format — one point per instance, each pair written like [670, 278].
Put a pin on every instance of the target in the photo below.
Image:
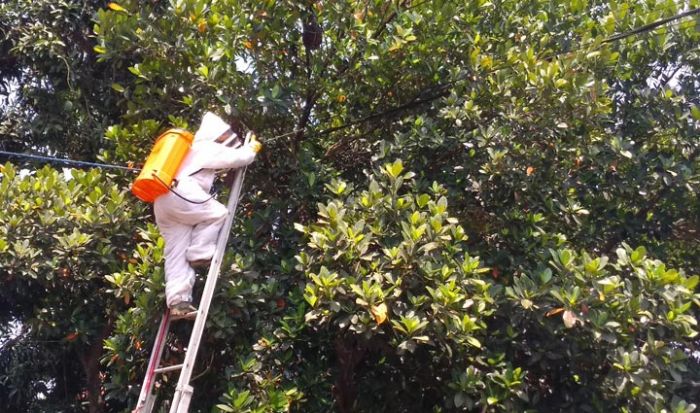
[545, 275]
[394, 169]
[460, 399]
[415, 218]
[695, 112]
[116, 7]
[473, 341]
[638, 255]
[422, 200]
[622, 256]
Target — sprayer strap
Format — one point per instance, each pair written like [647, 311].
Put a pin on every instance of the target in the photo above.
[170, 188]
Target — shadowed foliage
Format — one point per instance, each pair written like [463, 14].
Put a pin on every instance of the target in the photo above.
[471, 206]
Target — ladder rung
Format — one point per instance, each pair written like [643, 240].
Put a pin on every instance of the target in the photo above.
[183, 391]
[189, 316]
[169, 368]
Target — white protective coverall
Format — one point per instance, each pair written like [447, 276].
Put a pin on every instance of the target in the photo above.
[189, 229]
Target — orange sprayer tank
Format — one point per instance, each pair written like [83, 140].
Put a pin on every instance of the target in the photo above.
[162, 164]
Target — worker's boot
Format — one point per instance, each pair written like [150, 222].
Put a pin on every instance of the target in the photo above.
[183, 309]
[200, 264]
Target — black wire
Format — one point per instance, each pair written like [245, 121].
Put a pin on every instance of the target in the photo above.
[99, 165]
[49, 159]
[651, 26]
[642, 29]
[180, 196]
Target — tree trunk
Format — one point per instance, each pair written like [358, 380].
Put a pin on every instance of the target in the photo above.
[349, 353]
[90, 359]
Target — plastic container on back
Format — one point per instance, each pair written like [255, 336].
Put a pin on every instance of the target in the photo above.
[162, 164]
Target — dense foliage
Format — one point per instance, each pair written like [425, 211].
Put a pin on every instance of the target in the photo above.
[461, 205]
[54, 98]
[61, 236]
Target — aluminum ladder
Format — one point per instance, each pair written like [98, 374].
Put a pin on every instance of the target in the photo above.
[183, 389]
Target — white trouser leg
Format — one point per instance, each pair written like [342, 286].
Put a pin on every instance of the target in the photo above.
[179, 276]
[180, 222]
[204, 234]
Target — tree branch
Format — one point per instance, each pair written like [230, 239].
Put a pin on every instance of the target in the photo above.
[671, 76]
[442, 91]
[345, 140]
[385, 22]
[649, 205]
[304, 119]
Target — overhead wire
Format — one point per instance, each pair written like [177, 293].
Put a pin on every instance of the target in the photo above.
[636, 31]
[652, 26]
[55, 160]
[72, 162]
[421, 98]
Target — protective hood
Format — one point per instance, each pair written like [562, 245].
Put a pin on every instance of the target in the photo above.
[211, 128]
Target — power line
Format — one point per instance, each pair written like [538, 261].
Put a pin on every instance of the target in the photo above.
[54, 160]
[445, 87]
[66, 161]
[416, 101]
[651, 26]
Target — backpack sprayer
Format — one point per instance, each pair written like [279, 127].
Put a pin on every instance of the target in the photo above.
[158, 173]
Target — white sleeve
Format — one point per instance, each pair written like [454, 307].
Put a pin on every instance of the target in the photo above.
[217, 156]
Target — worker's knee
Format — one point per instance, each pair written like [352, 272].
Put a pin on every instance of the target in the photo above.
[215, 212]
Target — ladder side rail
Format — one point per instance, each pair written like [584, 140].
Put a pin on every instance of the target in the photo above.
[142, 406]
[208, 292]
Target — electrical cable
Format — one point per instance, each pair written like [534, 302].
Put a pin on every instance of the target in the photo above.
[651, 26]
[170, 188]
[55, 160]
[50, 160]
[639, 30]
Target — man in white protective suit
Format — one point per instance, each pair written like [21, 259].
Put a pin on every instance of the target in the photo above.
[190, 226]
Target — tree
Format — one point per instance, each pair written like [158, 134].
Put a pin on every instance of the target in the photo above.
[57, 98]
[390, 254]
[537, 142]
[61, 237]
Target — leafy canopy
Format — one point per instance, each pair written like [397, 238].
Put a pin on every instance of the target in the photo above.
[504, 273]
